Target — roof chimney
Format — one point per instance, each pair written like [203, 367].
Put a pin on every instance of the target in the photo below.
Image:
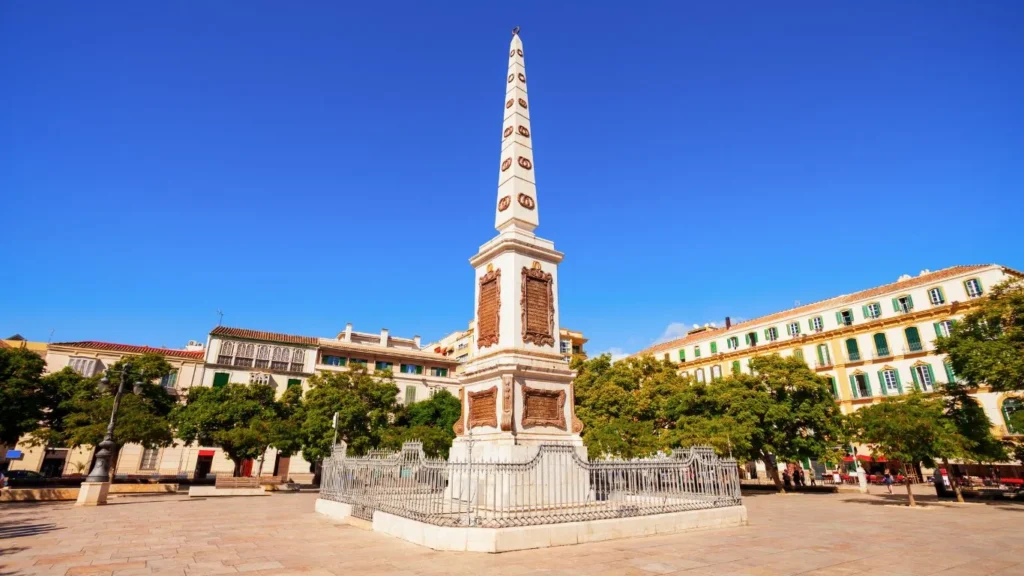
[348, 332]
[416, 340]
[383, 336]
[728, 322]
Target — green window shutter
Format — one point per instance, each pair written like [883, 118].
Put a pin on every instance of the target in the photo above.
[853, 385]
[899, 385]
[754, 334]
[294, 382]
[821, 357]
[895, 304]
[950, 377]
[714, 347]
[810, 324]
[766, 334]
[410, 394]
[913, 374]
[913, 336]
[942, 293]
[682, 355]
[839, 317]
[735, 366]
[881, 345]
[851, 347]
[864, 310]
[910, 302]
[419, 369]
[220, 379]
[789, 329]
[746, 338]
[931, 375]
[881, 382]
[798, 353]
[980, 289]
[938, 329]
[867, 382]
[832, 385]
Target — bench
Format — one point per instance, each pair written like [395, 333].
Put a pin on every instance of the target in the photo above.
[229, 482]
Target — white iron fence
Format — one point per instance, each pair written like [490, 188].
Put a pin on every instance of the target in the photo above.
[555, 486]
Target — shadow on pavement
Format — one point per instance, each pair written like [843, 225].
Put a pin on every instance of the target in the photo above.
[934, 501]
[22, 528]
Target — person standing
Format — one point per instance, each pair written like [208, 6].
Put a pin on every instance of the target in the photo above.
[887, 480]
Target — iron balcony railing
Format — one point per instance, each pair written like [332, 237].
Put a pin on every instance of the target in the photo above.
[913, 347]
[882, 353]
[853, 356]
[555, 485]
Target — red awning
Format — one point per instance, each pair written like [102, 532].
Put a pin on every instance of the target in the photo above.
[207, 452]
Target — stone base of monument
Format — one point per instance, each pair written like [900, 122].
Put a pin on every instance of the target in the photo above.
[92, 494]
[507, 539]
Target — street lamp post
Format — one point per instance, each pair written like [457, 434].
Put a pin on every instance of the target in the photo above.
[93, 491]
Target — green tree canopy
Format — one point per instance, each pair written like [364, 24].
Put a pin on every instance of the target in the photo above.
[430, 421]
[987, 346]
[238, 418]
[365, 404]
[910, 429]
[20, 394]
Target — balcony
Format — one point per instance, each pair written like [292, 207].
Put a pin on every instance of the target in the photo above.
[823, 364]
[882, 353]
[853, 357]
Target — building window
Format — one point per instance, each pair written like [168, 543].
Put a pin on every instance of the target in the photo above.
[442, 372]
[665, 357]
[696, 351]
[220, 379]
[379, 366]
[411, 369]
[844, 317]
[771, 334]
[824, 359]
[263, 356]
[227, 351]
[462, 358]
[682, 355]
[244, 354]
[1011, 406]
[294, 382]
[852, 350]
[280, 359]
[716, 372]
[936, 297]
[298, 359]
[732, 343]
[259, 378]
[944, 328]
[714, 347]
[699, 374]
[751, 338]
[924, 379]
[334, 360]
[685, 374]
[903, 304]
[881, 345]
[890, 382]
[359, 361]
[816, 324]
[84, 366]
[950, 375]
[793, 328]
[169, 380]
[872, 310]
[736, 367]
[973, 287]
[410, 395]
[798, 354]
[563, 346]
[832, 386]
[150, 457]
[913, 339]
[860, 385]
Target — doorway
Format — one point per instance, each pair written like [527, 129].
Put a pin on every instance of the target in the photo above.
[203, 466]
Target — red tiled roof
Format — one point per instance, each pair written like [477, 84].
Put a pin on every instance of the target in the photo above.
[897, 286]
[264, 336]
[133, 349]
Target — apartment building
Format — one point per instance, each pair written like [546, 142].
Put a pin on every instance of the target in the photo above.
[871, 344]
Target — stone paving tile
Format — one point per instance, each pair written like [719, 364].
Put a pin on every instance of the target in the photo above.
[833, 535]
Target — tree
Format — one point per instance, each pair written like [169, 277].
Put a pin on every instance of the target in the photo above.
[238, 418]
[987, 346]
[77, 412]
[20, 402]
[429, 421]
[365, 405]
[782, 412]
[974, 426]
[910, 429]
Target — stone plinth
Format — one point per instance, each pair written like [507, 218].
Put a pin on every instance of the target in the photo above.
[92, 494]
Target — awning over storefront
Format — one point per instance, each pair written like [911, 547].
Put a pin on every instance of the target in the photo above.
[207, 452]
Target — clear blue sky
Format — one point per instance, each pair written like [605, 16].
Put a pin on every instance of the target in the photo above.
[300, 165]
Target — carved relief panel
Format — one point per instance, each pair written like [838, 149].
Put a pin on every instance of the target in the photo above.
[483, 408]
[543, 407]
[507, 395]
[488, 311]
[538, 306]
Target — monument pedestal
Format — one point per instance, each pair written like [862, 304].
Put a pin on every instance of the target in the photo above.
[92, 494]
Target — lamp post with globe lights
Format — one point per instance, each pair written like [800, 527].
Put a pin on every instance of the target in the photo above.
[93, 491]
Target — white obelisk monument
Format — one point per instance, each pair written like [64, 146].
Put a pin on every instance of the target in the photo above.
[517, 392]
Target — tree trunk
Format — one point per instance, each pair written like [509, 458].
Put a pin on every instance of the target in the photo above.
[259, 468]
[112, 471]
[238, 467]
[952, 480]
[316, 473]
[910, 491]
[773, 473]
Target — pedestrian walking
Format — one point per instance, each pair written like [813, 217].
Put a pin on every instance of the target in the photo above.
[887, 480]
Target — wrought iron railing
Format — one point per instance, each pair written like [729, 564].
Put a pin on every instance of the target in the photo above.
[555, 485]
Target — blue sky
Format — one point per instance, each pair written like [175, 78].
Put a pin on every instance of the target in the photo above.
[303, 165]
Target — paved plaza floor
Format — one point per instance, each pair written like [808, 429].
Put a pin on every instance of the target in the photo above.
[834, 535]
